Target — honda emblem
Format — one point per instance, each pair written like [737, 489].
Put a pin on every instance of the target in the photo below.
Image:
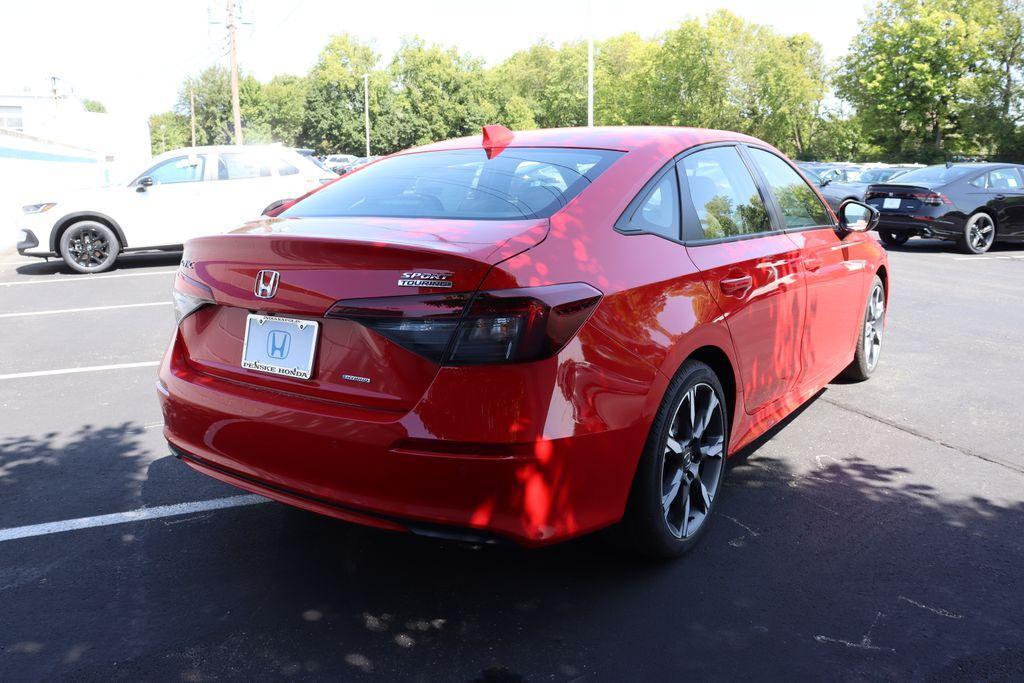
[266, 283]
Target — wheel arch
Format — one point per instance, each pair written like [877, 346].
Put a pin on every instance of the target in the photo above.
[68, 220]
[883, 275]
[986, 209]
[718, 360]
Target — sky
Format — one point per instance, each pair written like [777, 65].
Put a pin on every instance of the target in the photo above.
[133, 55]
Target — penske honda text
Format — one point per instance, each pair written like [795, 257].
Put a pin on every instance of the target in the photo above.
[526, 336]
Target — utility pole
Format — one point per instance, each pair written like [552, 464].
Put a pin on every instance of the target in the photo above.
[192, 111]
[236, 107]
[366, 110]
[590, 63]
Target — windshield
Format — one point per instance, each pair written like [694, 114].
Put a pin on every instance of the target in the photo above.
[935, 174]
[517, 183]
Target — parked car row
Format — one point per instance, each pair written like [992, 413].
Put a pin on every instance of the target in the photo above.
[343, 163]
[970, 203]
[839, 182]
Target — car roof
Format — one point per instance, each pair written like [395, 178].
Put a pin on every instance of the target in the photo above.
[225, 148]
[977, 165]
[621, 138]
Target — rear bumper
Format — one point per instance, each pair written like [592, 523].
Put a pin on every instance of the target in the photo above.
[921, 226]
[382, 469]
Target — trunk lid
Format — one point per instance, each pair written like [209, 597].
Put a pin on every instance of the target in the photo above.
[323, 260]
[909, 196]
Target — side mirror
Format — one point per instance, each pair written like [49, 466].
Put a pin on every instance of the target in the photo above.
[144, 182]
[857, 216]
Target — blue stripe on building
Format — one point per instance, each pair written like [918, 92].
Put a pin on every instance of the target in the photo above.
[30, 155]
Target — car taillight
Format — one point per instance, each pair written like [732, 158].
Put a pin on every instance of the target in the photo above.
[189, 296]
[932, 198]
[499, 326]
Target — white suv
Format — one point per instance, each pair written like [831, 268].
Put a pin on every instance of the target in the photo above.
[184, 193]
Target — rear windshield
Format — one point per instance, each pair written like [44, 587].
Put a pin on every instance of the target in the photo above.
[934, 174]
[519, 182]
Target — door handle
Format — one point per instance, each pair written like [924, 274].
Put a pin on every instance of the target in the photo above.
[736, 286]
[1000, 196]
[812, 264]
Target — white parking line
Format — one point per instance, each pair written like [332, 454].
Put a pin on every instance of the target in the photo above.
[15, 533]
[989, 257]
[83, 310]
[70, 371]
[84, 278]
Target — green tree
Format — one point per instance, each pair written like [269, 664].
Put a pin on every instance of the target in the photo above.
[437, 94]
[994, 114]
[167, 131]
[908, 71]
[282, 108]
[789, 81]
[622, 70]
[553, 81]
[698, 73]
[728, 73]
[333, 117]
[836, 137]
[94, 106]
[212, 90]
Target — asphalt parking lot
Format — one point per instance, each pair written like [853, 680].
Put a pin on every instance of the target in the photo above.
[879, 533]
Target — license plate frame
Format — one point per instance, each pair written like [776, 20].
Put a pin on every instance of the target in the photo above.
[270, 341]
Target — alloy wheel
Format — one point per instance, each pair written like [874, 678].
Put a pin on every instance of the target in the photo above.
[694, 460]
[89, 247]
[874, 324]
[981, 232]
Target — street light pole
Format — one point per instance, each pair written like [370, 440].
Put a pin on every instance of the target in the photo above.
[235, 105]
[366, 110]
[192, 111]
[590, 63]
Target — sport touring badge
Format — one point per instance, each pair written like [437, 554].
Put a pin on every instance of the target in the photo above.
[416, 279]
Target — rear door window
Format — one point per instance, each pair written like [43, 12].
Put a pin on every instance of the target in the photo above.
[800, 205]
[516, 183]
[723, 193]
[1004, 179]
[242, 165]
[286, 168]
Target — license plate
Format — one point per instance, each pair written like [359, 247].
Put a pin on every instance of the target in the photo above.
[279, 346]
[891, 203]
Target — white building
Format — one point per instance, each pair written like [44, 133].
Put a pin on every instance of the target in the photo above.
[49, 143]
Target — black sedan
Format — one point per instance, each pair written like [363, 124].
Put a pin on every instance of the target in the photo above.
[837, 189]
[973, 205]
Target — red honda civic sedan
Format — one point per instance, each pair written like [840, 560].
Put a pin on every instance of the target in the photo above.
[526, 335]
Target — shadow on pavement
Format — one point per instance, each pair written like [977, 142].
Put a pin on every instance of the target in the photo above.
[852, 570]
[125, 263]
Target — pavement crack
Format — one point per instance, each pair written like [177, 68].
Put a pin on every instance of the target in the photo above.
[921, 435]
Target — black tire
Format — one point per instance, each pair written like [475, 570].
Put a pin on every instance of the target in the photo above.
[979, 234]
[872, 327]
[650, 526]
[893, 239]
[89, 246]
